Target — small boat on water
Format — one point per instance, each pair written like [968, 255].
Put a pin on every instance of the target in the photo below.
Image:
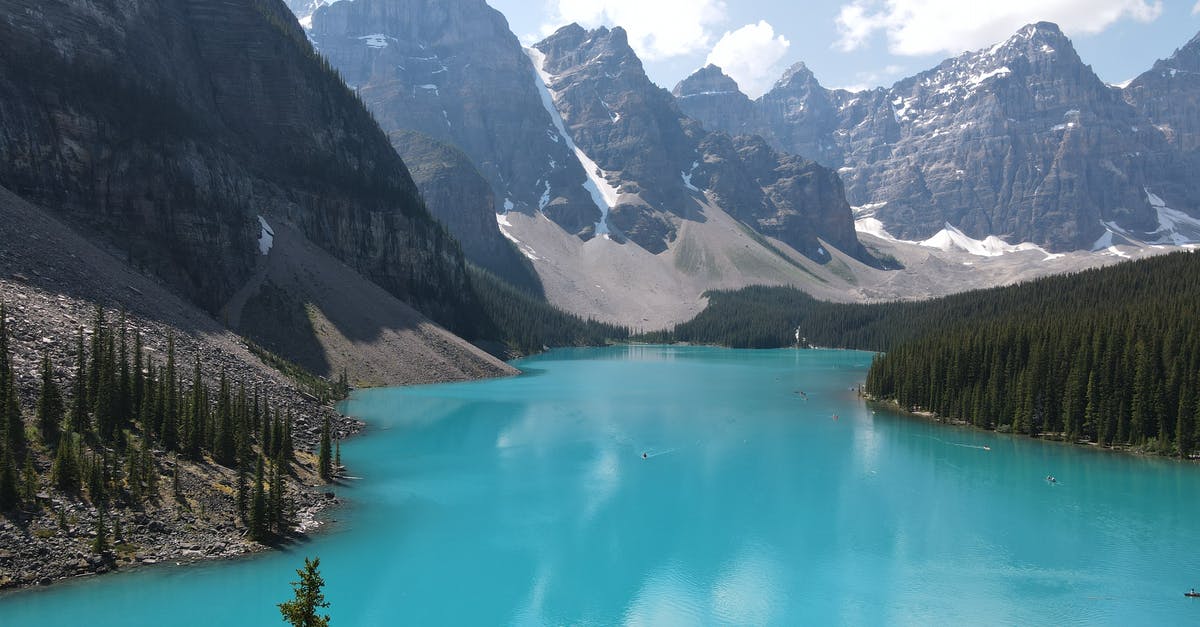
[1192, 593]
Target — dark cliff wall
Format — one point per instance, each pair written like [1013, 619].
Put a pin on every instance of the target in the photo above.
[167, 126]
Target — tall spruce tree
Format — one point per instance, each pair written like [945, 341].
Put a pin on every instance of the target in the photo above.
[65, 471]
[100, 542]
[79, 399]
[124, 404]
[10, 498]
[50, 404]
[258, 506]
[98, 333]
[275, 497]
[287, 445]
[170, 398]
[105, 407]
[225, 444]
[11, 423]
[137, 385]
[302, 610]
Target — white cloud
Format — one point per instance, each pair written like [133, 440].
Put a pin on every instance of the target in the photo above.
[918, 27]
[751, 55]
[658, 29]
[1196, 9]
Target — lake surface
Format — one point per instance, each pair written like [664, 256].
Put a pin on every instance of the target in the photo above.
[528, 501]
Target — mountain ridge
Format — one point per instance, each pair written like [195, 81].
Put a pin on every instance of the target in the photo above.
[1019, 140]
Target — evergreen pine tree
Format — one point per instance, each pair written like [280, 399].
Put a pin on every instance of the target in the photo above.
[170, 398]
[137, 388]
[97, 352]
[192, 433]
[176, 489]
[9, 496]
[275, 497]
[65, 472]
[124, 404]
[106, 394]
[29, 481]
[50, 404]
[302, 610]
[289, 448]
[149, 470]
[243, 498]
[100, 542]
[225, 446]
[258, 506]
[146, 403]
[12, 427]
[256, 415]
[270, 429]
[79, 400]
[1185, 426]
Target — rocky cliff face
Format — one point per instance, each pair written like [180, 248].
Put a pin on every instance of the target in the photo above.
[169, 126]
[580, 134]
[452, 70]
[458, 196]
[1169, 96]
[630, 128]
[713, 97]
[1021, 140]
[658, 162]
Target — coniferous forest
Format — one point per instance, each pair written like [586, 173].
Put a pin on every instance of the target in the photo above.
[124, 423]
[1110, 355]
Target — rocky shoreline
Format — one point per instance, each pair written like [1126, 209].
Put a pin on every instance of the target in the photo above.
[55, 542]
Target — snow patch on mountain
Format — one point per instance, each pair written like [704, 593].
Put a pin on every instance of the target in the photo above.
[1174, 226]
[503, 223]
[266, 236]
[872, 226]
[687, 177]
[604, 194]
[376, 41]
[950, 238]
[545, 199]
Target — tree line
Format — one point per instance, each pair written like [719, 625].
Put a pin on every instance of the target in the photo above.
[1109, 355]
[122, 409]
[528, 324]
[1116, 363]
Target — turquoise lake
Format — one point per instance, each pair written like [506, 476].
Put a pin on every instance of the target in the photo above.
[528, 501]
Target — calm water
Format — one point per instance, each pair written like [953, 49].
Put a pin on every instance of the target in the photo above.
[527, 501]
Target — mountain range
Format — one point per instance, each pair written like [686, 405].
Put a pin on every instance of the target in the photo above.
[1021, 141]
[401, 141]
[1019, 147]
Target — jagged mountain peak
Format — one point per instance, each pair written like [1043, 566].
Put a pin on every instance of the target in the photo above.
[1040, 40]
[1186, 58]
[1037, 54]
[1043, 31]
[1168, 95]
[570, 32]
[798, 75]
[709, 79]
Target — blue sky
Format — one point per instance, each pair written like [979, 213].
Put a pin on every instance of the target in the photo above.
[859, 43]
